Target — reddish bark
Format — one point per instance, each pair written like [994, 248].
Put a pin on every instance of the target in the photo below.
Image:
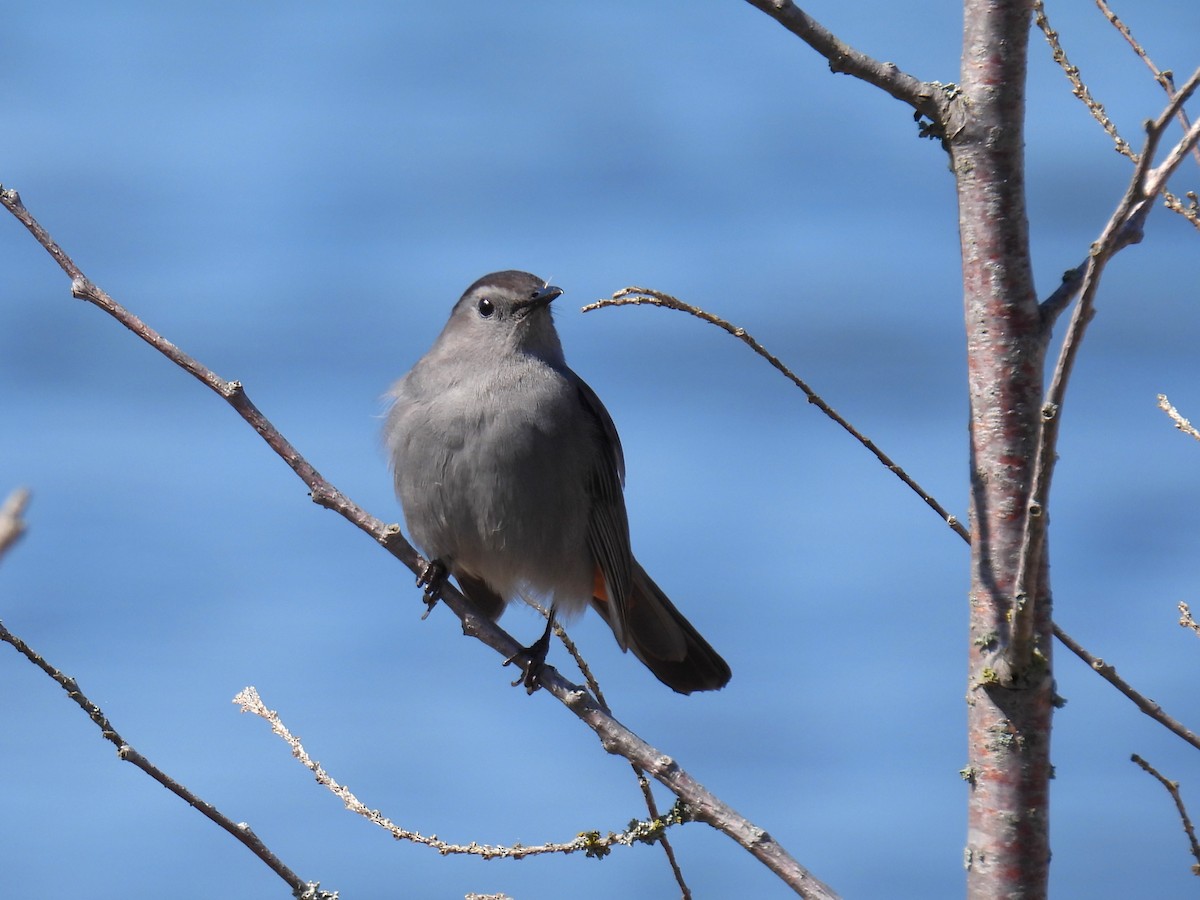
[1009, 705]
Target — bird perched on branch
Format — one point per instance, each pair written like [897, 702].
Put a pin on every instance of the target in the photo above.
[511, 476]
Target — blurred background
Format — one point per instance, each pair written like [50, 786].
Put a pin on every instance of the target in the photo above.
[297, 193]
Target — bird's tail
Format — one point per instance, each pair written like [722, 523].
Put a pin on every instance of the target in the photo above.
[663, 639]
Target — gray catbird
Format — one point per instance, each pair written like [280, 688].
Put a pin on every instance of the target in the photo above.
[511, 474]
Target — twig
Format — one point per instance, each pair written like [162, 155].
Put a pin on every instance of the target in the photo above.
[240, 831]
[12, 523]
[1186, 620]
[1156, 180]
[614, 737]
[1056, 304]
[1185, 611]
[11, 528]
[1109, 674]
[1124, 227]
[636, 296]
[1173, 789]
[591, 843]
[1078, 88]
[643, 784]
[1180, 422]
[1165, 79]
[685, 892]
[935, 101]
[1189, 211]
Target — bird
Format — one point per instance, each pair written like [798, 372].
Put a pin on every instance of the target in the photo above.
[511, 476]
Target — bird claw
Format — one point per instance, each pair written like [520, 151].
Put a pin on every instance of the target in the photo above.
[532, 660]
[431, 579]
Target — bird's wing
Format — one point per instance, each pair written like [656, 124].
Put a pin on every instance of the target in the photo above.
[608, 525]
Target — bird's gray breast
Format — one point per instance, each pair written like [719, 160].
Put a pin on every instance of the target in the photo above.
[493, 474]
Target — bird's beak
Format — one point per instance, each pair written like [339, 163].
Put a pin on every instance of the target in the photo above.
[544, 296]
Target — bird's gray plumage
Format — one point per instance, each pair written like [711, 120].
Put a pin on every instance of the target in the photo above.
[511, 475]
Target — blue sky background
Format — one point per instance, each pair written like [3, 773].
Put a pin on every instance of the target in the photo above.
[297, 193]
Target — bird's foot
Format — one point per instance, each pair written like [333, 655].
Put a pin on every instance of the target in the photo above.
[431, 579]
[532, 659]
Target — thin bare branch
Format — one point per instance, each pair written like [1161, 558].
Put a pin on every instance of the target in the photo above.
[1156, 180]
[1189, 210]
[643, 784]
[1124, 227]
[1078, 88]
[636, 296]
[1173, 789]
[685, 893]
[613, 736]
[937, 102]
[1186, 620]
[1180, 422]
[1109, 674]
[590, 843]
[12, 522]
[1058, 302]
[241, 832]
[1165, 78]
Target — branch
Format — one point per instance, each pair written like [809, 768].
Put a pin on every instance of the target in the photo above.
[242, 832]
[1109, 674]
[591, 843]
[1173, 789]
[1191, 210]
[12, 525]
[1180, 422]
[1078, 88]
[1165, 79]
[1124, 227]
[323, 493]
[1156, 181]
[935, 101]
[685, 892]
[636, 296]
[1186, 620]
[1056, 304]
[643, 784]
[614, 737]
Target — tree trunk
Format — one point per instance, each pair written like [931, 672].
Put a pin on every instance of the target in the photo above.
[1009, 702]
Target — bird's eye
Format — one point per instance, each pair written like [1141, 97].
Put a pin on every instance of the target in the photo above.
[486, 308]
